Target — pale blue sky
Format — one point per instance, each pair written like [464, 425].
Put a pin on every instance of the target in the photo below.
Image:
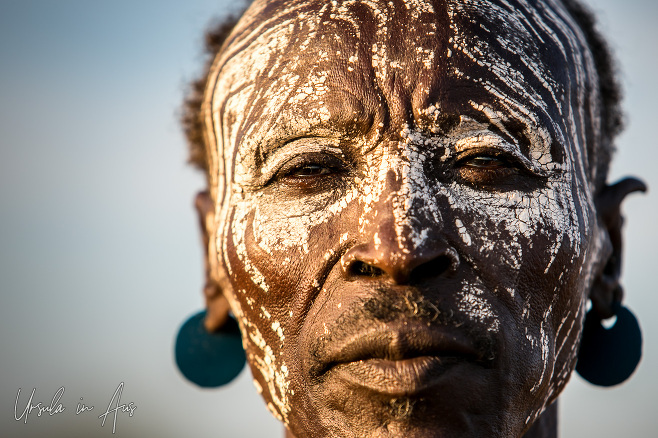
[100, 258]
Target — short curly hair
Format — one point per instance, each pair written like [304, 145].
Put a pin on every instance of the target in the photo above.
[609, 89]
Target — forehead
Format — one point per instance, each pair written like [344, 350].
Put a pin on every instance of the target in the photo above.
[294, 68]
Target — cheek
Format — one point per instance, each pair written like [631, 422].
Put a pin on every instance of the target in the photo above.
[532, 251]
[528, 236]
[273, 257]
[263, 321]
[475, 304]
[284, 229]
[263, 336]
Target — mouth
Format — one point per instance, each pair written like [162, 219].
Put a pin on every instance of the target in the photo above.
[401, 358]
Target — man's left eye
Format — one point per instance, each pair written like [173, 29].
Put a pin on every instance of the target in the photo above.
[484, 162]
[487, 169]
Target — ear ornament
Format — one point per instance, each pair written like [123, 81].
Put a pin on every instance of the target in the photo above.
[609, 356]
[209, 359]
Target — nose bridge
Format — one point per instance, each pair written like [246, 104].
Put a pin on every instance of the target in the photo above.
[401, 226]
[403, 215]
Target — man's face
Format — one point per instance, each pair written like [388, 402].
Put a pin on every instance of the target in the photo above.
[404, 212]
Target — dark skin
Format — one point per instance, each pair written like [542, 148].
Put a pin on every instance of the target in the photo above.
[407, 237]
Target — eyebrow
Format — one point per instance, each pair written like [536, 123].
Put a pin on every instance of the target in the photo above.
[520, 128]
[348, 118]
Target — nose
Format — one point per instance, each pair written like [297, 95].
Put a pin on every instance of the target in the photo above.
[387, 260]
[406, 245]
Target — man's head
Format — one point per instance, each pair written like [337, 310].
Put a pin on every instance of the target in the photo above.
[407, 210]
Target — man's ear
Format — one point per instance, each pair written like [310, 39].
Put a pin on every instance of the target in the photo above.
[606, 289]
[217, 305]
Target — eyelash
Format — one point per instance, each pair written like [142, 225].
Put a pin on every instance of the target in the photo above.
[320, 168]
[488, 168]
[314, 170]
[480, 168]
[487, 162]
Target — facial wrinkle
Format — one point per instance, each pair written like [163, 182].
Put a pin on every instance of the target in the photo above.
[523, 43]
[273, 371]
[482, 53]
[554, 199]
[502, 225]
[587, 104]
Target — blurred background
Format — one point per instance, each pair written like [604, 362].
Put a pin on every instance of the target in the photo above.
[100, 257]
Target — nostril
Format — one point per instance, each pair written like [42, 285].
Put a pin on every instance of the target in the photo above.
[363, 262]
[362, 269]
[444, 264]
[433, 268]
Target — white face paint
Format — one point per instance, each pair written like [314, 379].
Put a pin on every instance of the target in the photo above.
[372, 133]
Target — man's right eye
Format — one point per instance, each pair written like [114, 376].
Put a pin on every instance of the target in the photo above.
[310, 171]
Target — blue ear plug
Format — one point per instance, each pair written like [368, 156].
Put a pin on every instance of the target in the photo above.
[209, 359]
[608, 357]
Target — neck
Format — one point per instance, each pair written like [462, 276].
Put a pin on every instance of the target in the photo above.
[544, 427]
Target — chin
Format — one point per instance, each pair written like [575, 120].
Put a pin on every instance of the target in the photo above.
[440, 387]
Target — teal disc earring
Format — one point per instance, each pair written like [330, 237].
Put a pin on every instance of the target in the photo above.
[209, 359]
[608, 356]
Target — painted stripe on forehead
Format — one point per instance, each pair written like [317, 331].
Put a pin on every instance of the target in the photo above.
[587, 101]
[524, 31]
[256, 47]
[537, 23]
[247, 30]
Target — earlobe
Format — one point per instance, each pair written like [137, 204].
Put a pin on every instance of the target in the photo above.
[609, 356]
[208, 347]
[217, 305]
[606, 289]
[206, 216]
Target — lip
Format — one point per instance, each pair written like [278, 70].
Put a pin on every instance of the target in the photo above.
[397, 359]
[397, 378]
